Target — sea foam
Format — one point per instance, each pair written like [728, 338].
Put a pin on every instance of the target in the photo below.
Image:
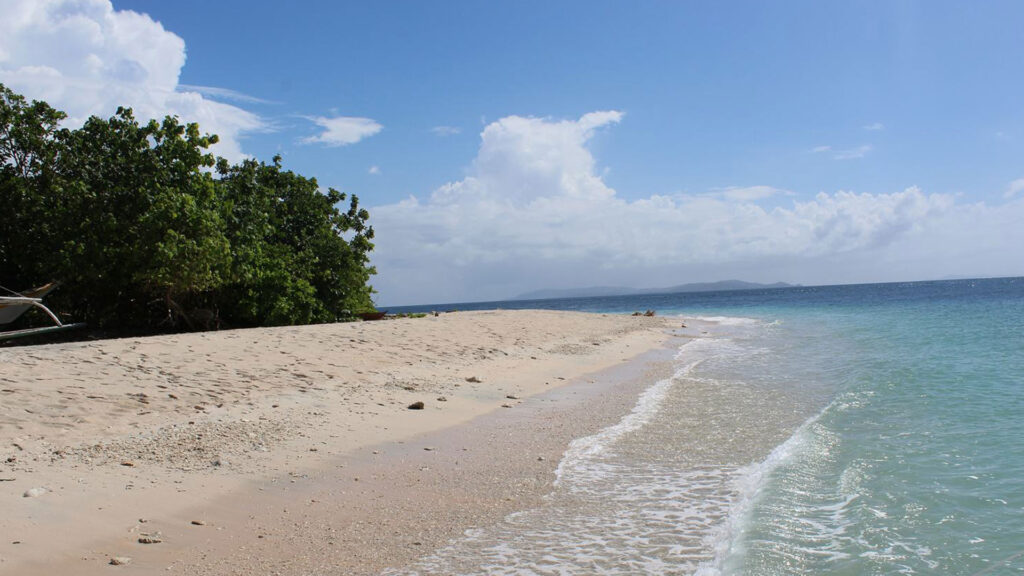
[618, 506]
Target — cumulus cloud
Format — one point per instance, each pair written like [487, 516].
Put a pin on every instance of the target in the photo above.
[86, 58]
[374, 170]
[874, 127]
[749, 193]
[534, 212]
[524, 159]
[820, 149]
[343, 130]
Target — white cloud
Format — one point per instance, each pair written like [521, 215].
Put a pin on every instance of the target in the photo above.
[86, 58]
[749, 193]
[375, 170]
[534, 212]
[521, 159]
[1014, 188]
[852, 153]
[224, 93]
[446, 130]
[343, 130]
[848, 154]
[874, 127]
[593, 120]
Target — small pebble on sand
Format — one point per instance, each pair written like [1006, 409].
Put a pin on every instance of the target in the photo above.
[120, 561]
[34, 492]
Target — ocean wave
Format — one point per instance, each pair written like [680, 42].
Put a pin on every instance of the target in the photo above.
[727, 320]
[659, 492]
[748, 485]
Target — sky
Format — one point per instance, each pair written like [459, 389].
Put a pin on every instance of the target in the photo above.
[507, 147]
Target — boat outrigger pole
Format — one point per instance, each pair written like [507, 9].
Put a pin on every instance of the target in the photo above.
[12, 307]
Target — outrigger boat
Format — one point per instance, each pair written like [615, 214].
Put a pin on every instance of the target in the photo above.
[12, 307]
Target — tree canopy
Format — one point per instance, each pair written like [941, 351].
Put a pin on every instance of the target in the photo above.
[146, 229]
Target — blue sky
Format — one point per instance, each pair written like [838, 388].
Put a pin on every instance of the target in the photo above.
[812, 142]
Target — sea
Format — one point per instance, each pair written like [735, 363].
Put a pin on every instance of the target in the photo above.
[856, 429]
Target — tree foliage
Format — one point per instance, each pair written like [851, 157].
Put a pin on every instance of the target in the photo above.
[292, 259]
[147, 229]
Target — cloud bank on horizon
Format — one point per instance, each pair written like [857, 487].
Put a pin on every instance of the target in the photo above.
[534, 211]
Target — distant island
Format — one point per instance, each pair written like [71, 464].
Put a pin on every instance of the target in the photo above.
[625, 291]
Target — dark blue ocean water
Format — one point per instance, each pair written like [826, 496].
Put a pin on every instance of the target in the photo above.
[746, 302]
[866, 429]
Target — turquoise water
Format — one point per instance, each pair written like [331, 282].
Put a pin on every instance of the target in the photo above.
[875, 429]
[917, 465]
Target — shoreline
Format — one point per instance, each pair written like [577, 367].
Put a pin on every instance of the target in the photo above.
[288, 503]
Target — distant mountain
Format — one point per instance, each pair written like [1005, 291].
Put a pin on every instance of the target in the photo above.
[623, 291]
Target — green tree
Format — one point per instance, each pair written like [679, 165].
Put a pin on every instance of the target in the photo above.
[142, 226]
[292, 263]
[30, 145]
[146, 228]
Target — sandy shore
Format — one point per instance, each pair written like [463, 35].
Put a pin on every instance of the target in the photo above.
[292, 450]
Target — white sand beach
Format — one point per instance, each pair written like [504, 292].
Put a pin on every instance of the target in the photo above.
[294, 450]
